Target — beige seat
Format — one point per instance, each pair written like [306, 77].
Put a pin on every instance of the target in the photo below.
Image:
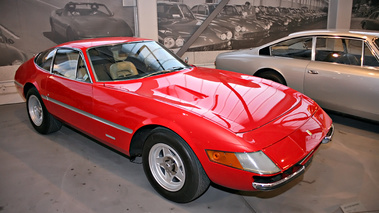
[122, 69]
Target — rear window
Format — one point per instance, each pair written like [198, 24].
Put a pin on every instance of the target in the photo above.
[44, 59]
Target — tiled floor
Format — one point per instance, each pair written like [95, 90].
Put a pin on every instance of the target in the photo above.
[69, 172]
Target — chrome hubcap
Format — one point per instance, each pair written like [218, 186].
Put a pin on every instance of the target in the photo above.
[167, 167]
[35, 110]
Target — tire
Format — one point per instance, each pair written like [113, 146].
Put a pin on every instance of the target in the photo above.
[273, 76]
[42, 121]
[172, 168]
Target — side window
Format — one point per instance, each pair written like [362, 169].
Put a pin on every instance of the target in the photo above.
[374, 16]
[369, 59]
[44, 59]
[194, 9]
[66, 63]
[202, 10]
[299, 48]
[81, 73]
[339, 50]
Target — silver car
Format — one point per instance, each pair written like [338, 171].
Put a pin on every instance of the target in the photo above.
[338, 69]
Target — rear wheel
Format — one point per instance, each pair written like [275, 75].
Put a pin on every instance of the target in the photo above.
[40, 118]
[273, 76]
[172, 168]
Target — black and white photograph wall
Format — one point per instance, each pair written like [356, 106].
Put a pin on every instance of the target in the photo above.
[240, 24]
[365, 15]
[29, 26]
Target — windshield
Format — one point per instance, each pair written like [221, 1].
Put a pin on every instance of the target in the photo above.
[174, 11]
[227, 10]
[132, 60]
[87, 9]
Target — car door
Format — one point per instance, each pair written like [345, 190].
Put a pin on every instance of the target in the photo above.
[291, 58]
[69, 89]
[338, 80]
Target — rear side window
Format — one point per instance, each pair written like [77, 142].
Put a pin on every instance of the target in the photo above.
[66, 63]
[44, 59]
[299, 48]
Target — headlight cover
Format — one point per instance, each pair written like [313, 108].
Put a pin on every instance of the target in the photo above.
[256, 162]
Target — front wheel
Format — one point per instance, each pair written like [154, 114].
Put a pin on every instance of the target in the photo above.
[40, 118]
[172, 168]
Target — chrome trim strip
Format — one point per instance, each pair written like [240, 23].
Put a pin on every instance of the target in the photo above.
[18, 84]
[110, 136]
[306, 157]
[270, 186]
[101, 120]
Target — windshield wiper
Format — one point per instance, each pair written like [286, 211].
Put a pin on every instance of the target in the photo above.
[163, 71]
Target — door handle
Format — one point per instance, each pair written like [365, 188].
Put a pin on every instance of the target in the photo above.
[312, 72]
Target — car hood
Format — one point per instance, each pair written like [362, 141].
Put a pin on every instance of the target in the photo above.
[184, 28]
[235, 101]
[93, 22]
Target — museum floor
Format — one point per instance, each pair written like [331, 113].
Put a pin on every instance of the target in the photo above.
[69, 172]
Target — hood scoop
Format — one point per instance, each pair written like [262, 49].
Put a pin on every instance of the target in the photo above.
[181, 93]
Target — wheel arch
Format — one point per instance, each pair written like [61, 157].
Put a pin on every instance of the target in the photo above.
[271, 70]
[139, 138]
[27, 87]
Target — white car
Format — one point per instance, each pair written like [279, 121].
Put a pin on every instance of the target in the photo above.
[338, 69]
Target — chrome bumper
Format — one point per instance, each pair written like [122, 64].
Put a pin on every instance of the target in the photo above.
[329, 135]
[277, 184]
[274, 185]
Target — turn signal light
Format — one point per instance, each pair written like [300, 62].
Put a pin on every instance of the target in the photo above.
[225, 158]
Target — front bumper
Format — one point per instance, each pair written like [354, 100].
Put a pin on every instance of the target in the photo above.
[279, 183]
[329, 136]
[270, 183]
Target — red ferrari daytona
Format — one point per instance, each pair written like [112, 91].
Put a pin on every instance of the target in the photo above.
[190, 125]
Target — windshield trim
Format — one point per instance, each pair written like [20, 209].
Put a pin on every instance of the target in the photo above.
[183, 65]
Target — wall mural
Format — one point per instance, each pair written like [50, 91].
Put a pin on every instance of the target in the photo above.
[241, 23]
[365, 15]
[30, 26]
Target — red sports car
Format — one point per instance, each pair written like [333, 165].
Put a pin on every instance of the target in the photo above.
[190, 125]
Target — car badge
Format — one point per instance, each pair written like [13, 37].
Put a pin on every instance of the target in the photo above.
[309, 132]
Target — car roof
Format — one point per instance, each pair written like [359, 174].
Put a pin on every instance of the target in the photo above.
[88, 43]
[359, 34]
[367, 35]
[171, 3]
